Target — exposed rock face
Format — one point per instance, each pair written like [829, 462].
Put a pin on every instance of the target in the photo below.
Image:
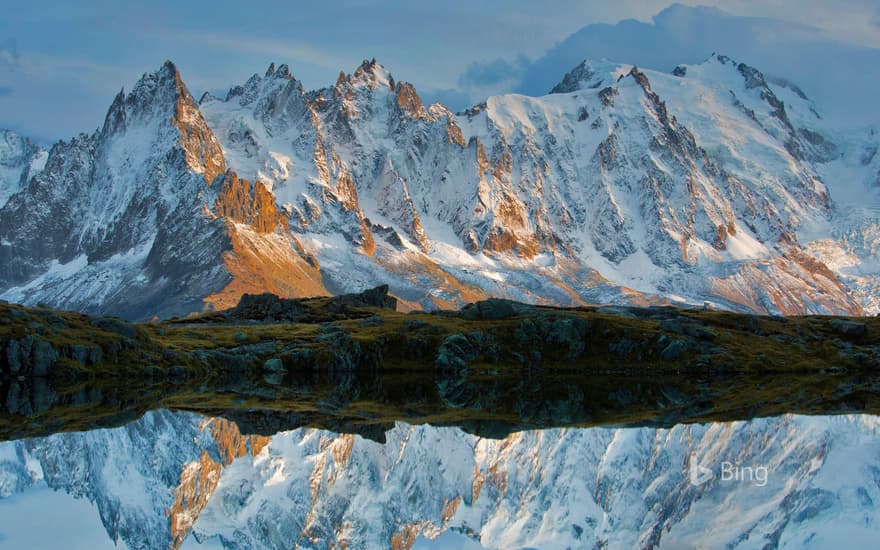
[152, 167]
[266, 307]
[581, 77]
[269, 307]
[28, 357]
[494, 309]
[239, 203]
[849, 329]
[397, 205]
[35, 345]
[458, 350]
[145, 169]
[374, 297]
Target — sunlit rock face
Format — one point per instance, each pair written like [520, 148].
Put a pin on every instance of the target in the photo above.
[117, 211]
[711, 183]
[129, 220]
[176, 478]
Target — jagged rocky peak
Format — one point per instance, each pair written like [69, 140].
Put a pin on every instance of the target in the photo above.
[803, 143]
[283, 71]
[409, 101]
[371, 74]
[753, 77]
[11, 145]
[154, 91]
[571, 82]
[156, 99]
[115, 120]
[371, 89]
[258, 87]
[640, 77]
[508, 177]
[589, 75]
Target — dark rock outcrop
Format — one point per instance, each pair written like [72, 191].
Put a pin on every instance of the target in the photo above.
[266, 307]
[374, 297]
[269, 307]
[494, 309]
[848, 329]
[458, 350]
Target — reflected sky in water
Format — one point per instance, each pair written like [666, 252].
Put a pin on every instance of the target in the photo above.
[173, 479]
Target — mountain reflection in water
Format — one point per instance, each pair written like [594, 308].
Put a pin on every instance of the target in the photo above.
[176, 478]
[411, 460]
[402, 460]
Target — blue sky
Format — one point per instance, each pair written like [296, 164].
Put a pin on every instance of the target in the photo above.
[62, 62]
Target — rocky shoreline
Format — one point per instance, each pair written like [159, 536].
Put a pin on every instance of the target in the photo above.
[272, 336]
[352, 363]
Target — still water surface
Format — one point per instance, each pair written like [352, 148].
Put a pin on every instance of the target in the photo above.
[185, 480]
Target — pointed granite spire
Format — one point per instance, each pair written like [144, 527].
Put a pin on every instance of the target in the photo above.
[115, 119]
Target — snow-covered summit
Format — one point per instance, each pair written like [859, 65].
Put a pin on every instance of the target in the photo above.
[590, 75]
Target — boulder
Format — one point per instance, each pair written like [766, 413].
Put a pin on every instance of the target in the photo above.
[266, 307]
[675, 350]
[848, 329]
[458, 350]
[274, 365]
[493, 309]
[338, 351]
[116, 326]
[375, 297]
[17, 354]
[29, 356]
[563, 336]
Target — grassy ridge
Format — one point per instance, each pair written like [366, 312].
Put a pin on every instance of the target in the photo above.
[496, 334]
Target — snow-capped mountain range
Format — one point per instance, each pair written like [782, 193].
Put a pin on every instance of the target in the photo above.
[710, 183]
[177, 480]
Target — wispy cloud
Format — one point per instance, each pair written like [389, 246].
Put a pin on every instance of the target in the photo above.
[282, 50]
[45, 67]
[55, 96]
